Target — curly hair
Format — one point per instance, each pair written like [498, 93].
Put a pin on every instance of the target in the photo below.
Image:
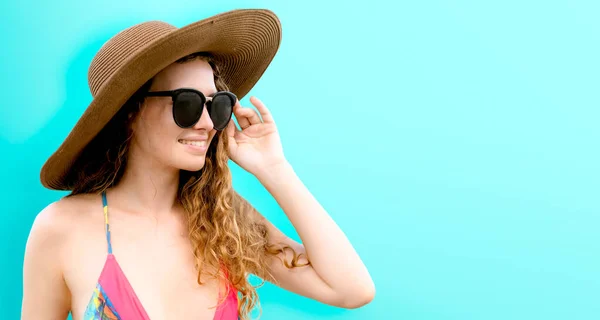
[228, 238]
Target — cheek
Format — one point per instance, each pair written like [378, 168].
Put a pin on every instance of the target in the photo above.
[156, 126]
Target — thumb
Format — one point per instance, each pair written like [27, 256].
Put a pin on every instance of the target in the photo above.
[230, 130]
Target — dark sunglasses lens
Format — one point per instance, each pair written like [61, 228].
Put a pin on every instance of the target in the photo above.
[220, 110]
[187, 109]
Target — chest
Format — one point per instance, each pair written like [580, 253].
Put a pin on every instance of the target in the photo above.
[158, 263]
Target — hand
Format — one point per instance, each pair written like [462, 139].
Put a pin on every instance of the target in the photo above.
[257, 146]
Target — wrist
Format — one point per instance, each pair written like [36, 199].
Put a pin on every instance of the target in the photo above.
[275, 171]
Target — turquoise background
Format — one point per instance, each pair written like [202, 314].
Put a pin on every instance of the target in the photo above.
[455, 142]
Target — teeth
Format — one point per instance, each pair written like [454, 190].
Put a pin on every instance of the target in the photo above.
[194, 143]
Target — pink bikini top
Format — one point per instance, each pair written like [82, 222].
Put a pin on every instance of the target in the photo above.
[114, 298]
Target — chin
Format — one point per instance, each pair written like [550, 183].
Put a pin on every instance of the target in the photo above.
[196, 165]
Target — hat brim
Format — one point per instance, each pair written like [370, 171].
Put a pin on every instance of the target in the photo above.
[243, 43]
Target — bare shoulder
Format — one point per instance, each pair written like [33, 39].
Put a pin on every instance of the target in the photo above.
[59, 219]
[53, 235]
[63, 213]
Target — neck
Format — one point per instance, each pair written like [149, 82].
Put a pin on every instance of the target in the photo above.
[147, 186]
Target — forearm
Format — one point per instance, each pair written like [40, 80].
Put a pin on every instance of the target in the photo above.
[327, 247]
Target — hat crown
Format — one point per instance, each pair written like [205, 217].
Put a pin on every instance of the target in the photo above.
[115, 52]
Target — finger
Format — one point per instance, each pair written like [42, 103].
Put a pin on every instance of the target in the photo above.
[249, 114]
[253, 116]
[231, 142]
[231, 128]
[242, 120]
[264, 112]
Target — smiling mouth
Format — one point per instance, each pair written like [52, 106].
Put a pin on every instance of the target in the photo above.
[201, 143]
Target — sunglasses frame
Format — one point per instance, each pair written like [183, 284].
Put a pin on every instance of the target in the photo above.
[174, 93]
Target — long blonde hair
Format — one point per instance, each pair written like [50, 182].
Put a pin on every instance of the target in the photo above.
[229, 239]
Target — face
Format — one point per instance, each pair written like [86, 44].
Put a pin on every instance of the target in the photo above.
[155, 133]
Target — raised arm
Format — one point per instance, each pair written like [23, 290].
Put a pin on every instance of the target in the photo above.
[336, 275]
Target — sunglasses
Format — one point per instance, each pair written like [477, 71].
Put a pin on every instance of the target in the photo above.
[188, 105]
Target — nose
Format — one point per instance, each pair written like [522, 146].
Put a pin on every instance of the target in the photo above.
[205, 122]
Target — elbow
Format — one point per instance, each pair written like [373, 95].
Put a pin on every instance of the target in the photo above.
[359, 297]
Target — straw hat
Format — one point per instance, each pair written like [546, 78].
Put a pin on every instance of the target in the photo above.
[243, 43]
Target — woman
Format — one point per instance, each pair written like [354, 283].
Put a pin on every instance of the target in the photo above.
[152, 228]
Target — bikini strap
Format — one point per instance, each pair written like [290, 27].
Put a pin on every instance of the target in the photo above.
[106, 225]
